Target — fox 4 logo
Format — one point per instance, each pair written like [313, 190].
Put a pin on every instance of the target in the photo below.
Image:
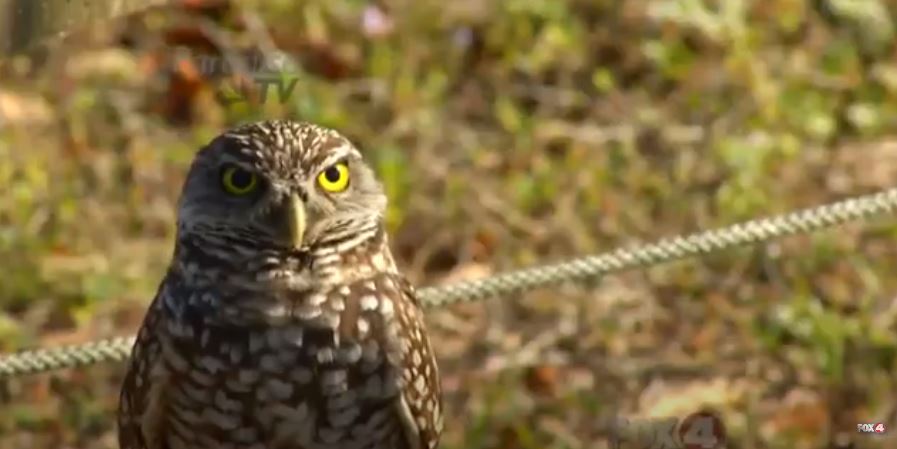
[703, 430]
[871, 428]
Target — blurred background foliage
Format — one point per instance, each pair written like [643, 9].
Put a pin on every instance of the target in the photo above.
[507, 133]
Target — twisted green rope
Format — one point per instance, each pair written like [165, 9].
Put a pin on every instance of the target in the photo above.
[72, 356]
[590, 267]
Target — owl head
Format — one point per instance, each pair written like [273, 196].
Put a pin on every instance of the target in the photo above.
[279, 186]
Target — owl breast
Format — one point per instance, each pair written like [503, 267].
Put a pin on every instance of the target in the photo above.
[325, 375]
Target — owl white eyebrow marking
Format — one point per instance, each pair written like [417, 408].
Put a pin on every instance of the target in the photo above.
[340, 154]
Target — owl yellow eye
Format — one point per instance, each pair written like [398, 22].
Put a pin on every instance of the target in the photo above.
[238, 181]
[335, 178]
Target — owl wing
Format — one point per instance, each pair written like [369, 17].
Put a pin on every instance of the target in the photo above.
[420, 402]
[143, 393]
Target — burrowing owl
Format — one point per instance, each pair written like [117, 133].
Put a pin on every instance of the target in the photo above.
[282, 321]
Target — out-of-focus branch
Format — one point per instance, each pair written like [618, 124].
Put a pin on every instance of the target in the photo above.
[26, 23]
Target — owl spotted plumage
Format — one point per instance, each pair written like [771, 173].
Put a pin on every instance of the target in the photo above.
[282, 321]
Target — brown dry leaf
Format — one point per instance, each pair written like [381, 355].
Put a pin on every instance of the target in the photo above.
[324, 59]
[483, 246]
[542, 379]
[38, 390]
[508, 438]
[186, 84]
[803, 412]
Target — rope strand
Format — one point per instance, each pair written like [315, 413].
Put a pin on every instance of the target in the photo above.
[580, 269]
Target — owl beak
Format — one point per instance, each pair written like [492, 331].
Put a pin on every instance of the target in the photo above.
[296, 220]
